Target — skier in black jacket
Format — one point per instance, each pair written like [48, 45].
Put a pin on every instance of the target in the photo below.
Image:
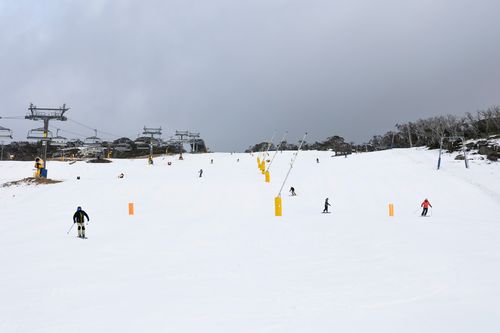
[327, 204]
[79, 218]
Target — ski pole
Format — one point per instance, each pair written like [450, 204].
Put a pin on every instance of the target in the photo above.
[70, 229]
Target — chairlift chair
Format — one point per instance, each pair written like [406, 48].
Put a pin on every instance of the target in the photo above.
[142, 141]
[5, 132]
[39, 134]
[123, 147]
[93, 140]
[58, 140]
[181, 135]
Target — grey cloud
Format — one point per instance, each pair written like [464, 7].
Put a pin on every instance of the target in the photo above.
[238, 70]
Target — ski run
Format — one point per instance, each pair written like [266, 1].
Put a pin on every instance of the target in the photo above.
[205, 253]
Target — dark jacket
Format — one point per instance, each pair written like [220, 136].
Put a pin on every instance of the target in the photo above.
[79, 216]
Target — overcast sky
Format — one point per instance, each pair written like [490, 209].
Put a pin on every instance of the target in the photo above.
[236, 70]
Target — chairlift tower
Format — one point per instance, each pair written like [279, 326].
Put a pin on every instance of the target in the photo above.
[152, 132]
[181, 138]
[4, 133]
[182, 135]
[192, 138]
[46, 115]
[193, 141]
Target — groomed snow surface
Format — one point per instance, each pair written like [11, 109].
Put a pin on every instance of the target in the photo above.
[208, 255]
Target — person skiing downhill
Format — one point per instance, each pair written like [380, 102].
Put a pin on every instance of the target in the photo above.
[79, 218]
[426, 204]
[201, 172]
[327, 204]
[292, 191]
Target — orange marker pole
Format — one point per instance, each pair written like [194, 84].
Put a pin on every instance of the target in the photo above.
[130, 208]
[391, 210]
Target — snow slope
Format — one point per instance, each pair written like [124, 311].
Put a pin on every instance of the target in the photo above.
[208, 255]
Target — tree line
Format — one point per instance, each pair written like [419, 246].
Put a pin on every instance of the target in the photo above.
[422, 132]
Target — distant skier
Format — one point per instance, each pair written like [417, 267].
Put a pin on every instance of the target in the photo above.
[79, 219]
[201, 172]
[317, 160]
[121, 175]
[327, 204]
[426, 204]
[212, 161]
[292, 191]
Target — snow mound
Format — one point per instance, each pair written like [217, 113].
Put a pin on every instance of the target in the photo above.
[30, 181]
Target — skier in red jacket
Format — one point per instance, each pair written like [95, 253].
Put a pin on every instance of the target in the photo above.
[426, 204]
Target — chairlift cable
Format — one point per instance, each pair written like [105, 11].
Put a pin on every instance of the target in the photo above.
[69, 132]
[94, 129]
[11, 117]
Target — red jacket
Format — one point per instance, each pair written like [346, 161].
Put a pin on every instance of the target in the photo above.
[426, 204]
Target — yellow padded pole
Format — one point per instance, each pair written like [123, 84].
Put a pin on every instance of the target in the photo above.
[278, 211]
